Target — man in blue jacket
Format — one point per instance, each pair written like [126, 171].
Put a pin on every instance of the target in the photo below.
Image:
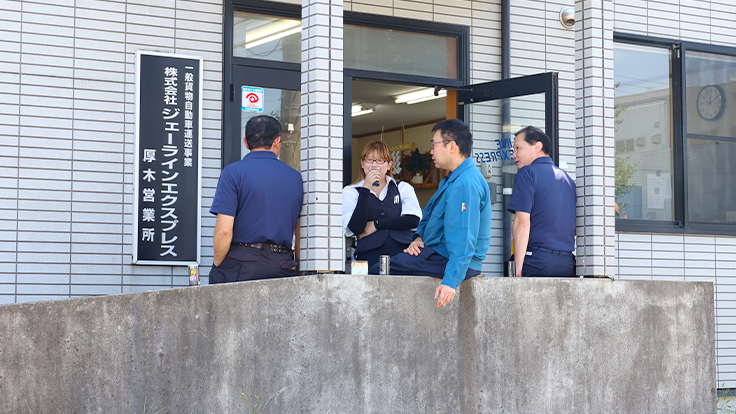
[455, 232]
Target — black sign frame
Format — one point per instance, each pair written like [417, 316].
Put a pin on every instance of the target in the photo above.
[167, 184]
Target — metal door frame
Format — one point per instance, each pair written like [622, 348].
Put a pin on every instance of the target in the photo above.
[511, 88]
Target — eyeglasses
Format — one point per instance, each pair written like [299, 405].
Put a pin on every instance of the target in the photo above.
[378, 161]
[432, 143]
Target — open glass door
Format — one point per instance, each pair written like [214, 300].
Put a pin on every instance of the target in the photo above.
[494, 111]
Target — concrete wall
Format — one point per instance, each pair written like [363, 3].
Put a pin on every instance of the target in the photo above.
[367, 344]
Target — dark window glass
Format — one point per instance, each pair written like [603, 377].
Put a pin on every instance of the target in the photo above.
[396, 51]
[710, 88]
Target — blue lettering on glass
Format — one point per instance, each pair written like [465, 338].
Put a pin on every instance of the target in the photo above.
[493, 156]
[504, 151]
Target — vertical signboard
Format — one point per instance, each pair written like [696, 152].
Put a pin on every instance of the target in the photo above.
[167, 166]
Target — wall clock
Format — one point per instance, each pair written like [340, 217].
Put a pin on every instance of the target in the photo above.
[711, 102]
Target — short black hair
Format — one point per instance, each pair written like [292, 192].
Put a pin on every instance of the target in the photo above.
[532, 135]
[261, 131]
[456, 130]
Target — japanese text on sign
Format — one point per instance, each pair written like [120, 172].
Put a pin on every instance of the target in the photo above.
[167, 159]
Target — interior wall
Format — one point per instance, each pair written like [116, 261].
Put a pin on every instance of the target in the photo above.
[421, 135]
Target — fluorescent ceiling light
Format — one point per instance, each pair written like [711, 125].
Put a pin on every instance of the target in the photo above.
[442, 94]
[367, 111]
[358, 110]
[272, 32]
[270, 28]
[420, 96]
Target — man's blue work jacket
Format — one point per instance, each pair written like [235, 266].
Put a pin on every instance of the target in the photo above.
[456, 222]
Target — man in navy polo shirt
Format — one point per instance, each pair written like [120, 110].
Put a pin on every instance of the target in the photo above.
[543, 201]
[257, 203]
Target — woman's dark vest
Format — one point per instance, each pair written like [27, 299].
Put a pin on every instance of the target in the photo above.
[390, 207]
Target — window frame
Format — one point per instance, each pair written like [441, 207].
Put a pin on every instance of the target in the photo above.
[682, 224]
[228, 148]
[360, 19]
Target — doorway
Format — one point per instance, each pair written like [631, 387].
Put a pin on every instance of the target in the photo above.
[495, 111]
[402, 116]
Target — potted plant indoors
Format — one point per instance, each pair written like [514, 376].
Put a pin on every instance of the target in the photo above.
[417, 164]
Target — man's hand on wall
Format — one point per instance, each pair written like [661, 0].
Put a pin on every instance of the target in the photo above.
[444, 295]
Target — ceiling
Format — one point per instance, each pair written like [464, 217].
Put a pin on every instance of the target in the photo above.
[387, 113]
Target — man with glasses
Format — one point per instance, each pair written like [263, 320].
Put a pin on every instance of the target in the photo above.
[454, 234]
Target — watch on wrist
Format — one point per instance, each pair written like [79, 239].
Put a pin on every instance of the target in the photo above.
[375, 223]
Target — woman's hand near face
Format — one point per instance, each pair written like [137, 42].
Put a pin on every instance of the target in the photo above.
[371, 177]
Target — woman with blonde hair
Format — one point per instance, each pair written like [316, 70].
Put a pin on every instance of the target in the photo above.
[378, 210]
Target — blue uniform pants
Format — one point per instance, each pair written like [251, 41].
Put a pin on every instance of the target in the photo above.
[390, 247]
[247, 263]
[547, 263]
[427, 263]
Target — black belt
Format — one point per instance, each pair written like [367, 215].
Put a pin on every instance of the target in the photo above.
[278, 248]
[551, 251]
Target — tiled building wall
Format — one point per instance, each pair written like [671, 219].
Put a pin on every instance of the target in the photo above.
[66, 139]
[595, 141]
[322, 240]
[678, 257]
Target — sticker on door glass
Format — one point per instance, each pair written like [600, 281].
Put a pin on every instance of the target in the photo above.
[252, 100]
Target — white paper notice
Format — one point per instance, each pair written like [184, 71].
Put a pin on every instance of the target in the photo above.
[656, 185]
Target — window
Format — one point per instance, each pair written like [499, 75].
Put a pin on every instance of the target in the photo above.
[284, 105]
[710, 85]
[643, 132]
[675, 136]
[396, 51]
[267, 37]
[377, 49]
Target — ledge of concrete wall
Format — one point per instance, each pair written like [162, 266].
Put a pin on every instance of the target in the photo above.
[367, 344]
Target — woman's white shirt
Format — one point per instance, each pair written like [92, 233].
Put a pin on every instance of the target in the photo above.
[409, 202]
